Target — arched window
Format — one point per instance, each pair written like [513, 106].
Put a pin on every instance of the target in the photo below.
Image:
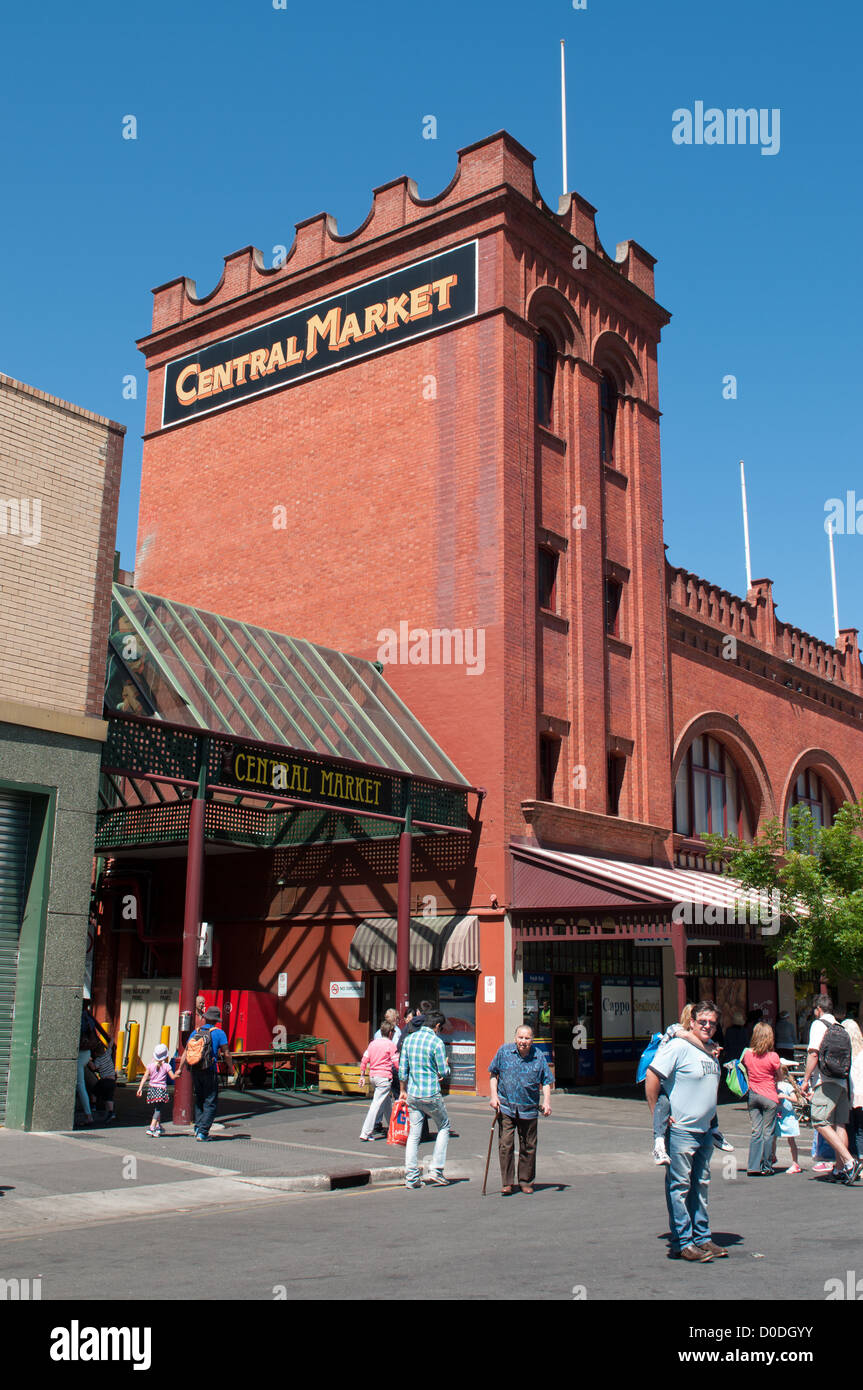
[546, 364]
[709, 796]
[810, 791]
[607, 417]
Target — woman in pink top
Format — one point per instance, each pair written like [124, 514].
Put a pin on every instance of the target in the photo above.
[762, 1066]
[380, 1057]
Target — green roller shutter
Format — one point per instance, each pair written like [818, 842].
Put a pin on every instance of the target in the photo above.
[15, 811]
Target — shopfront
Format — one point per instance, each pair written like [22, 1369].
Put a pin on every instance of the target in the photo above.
[593, 1006]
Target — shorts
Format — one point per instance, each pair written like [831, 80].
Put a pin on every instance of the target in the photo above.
[830, 1104]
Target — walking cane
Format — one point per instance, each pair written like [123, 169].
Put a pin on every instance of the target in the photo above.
[488, 1155]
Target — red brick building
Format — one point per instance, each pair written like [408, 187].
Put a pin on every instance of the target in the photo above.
[435, 442]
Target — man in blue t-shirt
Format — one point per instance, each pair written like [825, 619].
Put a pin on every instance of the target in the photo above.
[691, 1074]
[205, 1080]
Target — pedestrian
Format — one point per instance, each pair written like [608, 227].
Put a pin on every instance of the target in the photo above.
[520, 1087]
[102, 1064]
[787, 1123]
[391, 1016]
[855, 1123]
[156, 1076]
[828, 1064]
[380, 1057]
[422, 1066]
[763, 1066]
[691, 1072]
[205, 1047]
[86, 1039]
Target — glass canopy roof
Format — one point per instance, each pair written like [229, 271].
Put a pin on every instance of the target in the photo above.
[169, 661]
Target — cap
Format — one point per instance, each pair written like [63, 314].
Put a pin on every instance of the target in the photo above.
[213, 1014]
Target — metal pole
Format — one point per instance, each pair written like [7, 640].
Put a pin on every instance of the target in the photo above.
[745, 528]
[833, 578]
[678, 946]
[563, 113]
[403, 933]
[183, 1109]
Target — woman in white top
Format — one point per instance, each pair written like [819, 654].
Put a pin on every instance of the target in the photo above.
[855, 1082]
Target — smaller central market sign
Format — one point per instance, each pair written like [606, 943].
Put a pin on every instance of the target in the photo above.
[369, 318]
[304, 780]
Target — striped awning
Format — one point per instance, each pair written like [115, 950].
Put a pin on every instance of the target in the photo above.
[436, 943]
[672, 887]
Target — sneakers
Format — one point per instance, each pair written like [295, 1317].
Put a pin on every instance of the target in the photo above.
[660, 1153]
[202, 1138]
[152, 1133]
[438, 1180]
[852, 1172]
[726, 1147]
[822, 1167]
[413, 1183]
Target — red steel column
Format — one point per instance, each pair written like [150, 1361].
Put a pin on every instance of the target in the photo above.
[183, 1108]
[678, 945]
[403, 937]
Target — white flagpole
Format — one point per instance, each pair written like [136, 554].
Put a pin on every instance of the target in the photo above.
[745, 528]
[563, 113]
[833, 577]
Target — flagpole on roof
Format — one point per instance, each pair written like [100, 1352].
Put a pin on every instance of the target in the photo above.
[563, 113]
[745, 527]
[833, 578]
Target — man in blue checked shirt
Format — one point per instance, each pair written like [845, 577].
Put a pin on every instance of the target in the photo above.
[518, 1072]
[422, 1063]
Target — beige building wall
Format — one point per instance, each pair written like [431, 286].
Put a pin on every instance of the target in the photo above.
[59, 490]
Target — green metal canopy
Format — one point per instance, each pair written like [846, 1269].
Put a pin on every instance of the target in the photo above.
[171, 661]
[294, 743]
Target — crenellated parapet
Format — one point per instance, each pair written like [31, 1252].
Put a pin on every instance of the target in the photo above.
[752, 620]
[496, 163]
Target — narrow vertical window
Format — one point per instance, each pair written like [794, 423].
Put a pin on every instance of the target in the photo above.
[613, 596]
[616, 771]
[546, 362]
[546, 572]
[549, 756]
[608, 417]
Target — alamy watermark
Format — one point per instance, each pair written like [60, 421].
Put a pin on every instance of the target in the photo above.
[437, 646]
[845, 515]
[764, 911]
[22, 517]
[734, 126]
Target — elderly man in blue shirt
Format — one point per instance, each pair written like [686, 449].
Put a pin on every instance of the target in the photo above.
[518, 1073]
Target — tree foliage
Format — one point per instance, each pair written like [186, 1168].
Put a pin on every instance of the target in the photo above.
[816, 875]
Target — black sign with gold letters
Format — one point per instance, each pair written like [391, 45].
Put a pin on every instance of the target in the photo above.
[407, 303]
[297, 778]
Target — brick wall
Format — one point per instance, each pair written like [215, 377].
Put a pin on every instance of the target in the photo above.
[59, 487]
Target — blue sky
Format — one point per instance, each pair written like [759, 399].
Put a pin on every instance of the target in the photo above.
[251, 118]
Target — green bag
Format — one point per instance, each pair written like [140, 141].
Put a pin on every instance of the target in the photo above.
[736, 1078]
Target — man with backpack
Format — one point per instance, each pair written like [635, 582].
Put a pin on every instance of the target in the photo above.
[828, 1064]
[201, 1055]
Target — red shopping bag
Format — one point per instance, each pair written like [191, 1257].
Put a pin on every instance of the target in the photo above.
[399, 1124]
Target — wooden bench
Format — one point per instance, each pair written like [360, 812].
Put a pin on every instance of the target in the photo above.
[342, 1078]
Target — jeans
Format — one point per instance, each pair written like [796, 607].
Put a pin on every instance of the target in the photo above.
[418, 1109]
[382, 1104]
[762, 1113]
[661, 1115]
[83, 1094]
[206, 1087]
[687, 1179]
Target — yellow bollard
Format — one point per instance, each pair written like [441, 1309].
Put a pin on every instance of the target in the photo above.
[166, 1036]
[134, 1064]
[119, 1051]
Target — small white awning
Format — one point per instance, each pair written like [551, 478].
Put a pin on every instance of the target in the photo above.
[436, 943]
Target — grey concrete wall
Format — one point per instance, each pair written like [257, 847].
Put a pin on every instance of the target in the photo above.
[50, 760]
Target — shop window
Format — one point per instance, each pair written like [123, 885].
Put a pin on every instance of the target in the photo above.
[616, 772]
[549, 756]
[809, 791]
[709, 797]
[546, 364]
[613, 597]
[607, 417]
[546, 570]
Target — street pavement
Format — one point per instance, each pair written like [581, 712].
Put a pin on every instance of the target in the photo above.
[286, 1202]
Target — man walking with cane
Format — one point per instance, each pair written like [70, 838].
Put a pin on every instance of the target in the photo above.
[518, 1073]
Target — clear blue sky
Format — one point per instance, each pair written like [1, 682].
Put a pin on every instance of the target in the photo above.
[252, 118]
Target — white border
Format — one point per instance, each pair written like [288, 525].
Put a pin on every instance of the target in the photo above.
[331, 366]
